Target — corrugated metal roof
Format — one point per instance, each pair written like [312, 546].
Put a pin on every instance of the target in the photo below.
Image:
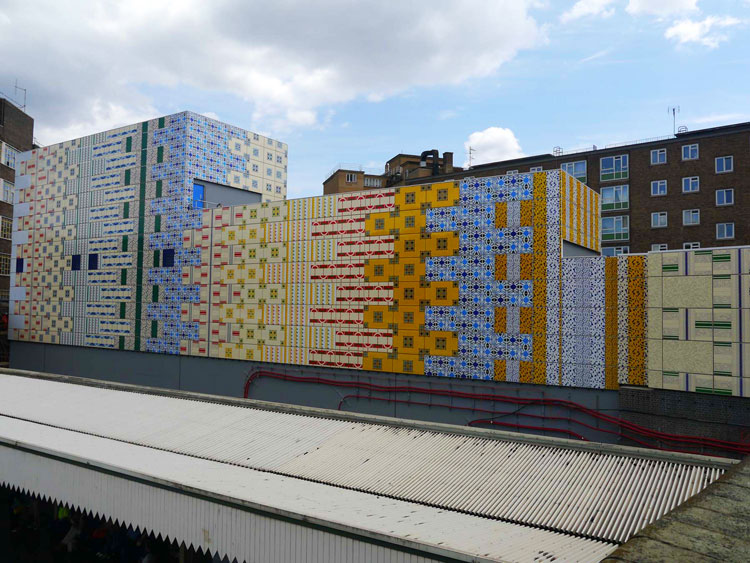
[257, 516]
[593, 494]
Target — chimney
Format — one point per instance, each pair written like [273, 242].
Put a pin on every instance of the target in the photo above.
[447, 162]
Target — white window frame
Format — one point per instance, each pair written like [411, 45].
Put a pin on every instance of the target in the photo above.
[570, 168]
[536, 169]
[724, 191]
[689, 180]
[658, 153]
[658, 215]
[723, 226]
[623, 190]
[512, 172]
[6, 191]
[724, 160]
[657, 183]
[9, 155]
[658, 247]
[690, 245]
[351, 177]
[690, 214]
[624, 172]
[623, 233]
[689, 150]
[615, 250]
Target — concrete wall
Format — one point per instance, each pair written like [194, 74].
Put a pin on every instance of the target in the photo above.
[228, 377]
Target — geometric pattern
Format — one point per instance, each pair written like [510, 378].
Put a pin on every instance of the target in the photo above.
[112, 248]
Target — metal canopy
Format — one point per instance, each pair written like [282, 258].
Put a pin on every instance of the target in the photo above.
[606, 496]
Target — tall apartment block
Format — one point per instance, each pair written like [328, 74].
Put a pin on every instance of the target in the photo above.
[683, 191]
[16, 136]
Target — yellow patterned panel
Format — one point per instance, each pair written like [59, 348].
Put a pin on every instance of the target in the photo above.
[501, 214]
[610, 323]
[501, 319]
[499, 370]
[501, 267]
[636, 320]
[527, 213]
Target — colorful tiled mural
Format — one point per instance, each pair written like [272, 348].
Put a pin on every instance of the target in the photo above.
[699, 320]
[463, 279]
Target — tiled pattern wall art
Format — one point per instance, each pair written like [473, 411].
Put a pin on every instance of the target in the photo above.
[460, 279]
[699, 320]
[98, 250]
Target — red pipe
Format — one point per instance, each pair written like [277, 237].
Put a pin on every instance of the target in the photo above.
[640, 430]
[500, 413]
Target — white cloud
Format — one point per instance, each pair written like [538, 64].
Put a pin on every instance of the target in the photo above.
[288, 59]
[597, 55]
[584, 8]
[705, 32]
[661, 8]
[491, 145]
[447, 114]
[211, 114]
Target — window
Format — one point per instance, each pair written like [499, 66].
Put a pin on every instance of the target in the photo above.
[8, 188]
[408, 341]
[441, 343]
[409, 293]
[691, 245]
[724, 164]
[279, 144]
[659, 156]
[377, 316]
[9, 155]
[615, 250]
[536, 169]
[379, 224]
[659, 220]
[269, 141]
[615, 197]
[690, 152]
[725, 197]
[409, 245]
[616, 228]
[658, 187]
[351, 178]
[576, 169]
[410, 197]
[409, 221]
[441, 293]
[6, 227]
[691, 217]
[613, 168]
[512, 172]
[442, 244]
[408, 269]
[371, 182]
[724, 231]
[442, 195]
[409, 317]
[691, 184]
[658, 247]
[4, 264]
[377, 363]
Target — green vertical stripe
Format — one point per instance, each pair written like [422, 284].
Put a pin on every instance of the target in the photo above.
[122, 343]
[129, 144]
[155, 294]
[160, 154]
[125, 243]
[158, 188]
[122, 309]
[154, 329]
[161, 123]
[126, 210]
[123, 277]
[127, 177]
[157, 224]
[141, 229]
[156, 258]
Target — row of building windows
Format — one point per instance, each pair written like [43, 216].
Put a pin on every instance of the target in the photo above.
[614, 198]
[617, 228]
[8, 155]
[618, 167]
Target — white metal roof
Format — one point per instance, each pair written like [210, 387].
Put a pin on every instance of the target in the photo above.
[606, 496]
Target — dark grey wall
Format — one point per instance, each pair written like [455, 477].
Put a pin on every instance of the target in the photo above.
[571, 250]
[225, 195]
[675, 412]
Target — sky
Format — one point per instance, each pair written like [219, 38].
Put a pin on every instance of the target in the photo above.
[356, 82]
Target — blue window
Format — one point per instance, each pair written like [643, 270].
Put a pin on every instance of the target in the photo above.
[19, 265]
[93, 261]
[198, 196]
[167, 257]
[76, 262]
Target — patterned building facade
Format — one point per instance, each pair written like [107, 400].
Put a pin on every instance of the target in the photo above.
[460, 279]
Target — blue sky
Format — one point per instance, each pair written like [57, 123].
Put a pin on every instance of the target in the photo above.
[357, 82]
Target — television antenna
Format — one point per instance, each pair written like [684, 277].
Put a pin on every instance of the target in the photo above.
[674, 110]
[471, 152]
[16, 89]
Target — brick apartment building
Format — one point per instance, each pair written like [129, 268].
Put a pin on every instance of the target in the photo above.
[16, 136]
[686, 190]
